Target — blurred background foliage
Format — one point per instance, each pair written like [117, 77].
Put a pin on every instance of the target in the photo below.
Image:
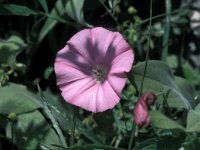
[31, 33]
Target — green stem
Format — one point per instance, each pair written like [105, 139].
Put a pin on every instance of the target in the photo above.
[109, 12]
[124, 117]
[166, 31]
[61, 20]
[132, 136]
[73, 131]
[164, 14]
[145, 68]
[147, 55]
[12, 132]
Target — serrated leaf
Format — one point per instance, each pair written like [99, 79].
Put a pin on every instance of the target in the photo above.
[16, 98]
[159, 120]
[19, 10]
[32, 130]
[159, 78]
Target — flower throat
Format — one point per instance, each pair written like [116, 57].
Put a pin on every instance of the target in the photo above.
[99, 73]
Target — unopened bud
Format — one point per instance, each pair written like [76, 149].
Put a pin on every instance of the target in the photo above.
[141, 114]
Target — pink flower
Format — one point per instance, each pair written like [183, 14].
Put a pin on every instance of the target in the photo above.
[91, 69]
[141, 115]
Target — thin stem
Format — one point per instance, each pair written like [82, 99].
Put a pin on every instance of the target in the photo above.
[124, 118]
[109, 12]
[164, 14]
[166, 31]
[145, 68]
[58, 19]
[132, 136]
[147, 55]
[73, 130]
[12, 132]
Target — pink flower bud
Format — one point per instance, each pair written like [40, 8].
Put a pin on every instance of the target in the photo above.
[141, 115]
[149, 98]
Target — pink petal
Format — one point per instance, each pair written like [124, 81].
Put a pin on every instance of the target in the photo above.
[86, 51]
[96, 98]
[106, 97]
[101, 40]
[70, 90]
[82, 43]
[67, 74]
[117, 81]
[87, 98]
[122, 63]
[118, 46]
[73, 59]
[141, 116]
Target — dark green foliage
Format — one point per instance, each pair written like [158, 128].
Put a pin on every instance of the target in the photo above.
[31, 33]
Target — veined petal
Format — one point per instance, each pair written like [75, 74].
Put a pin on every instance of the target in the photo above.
[118, 46]
[73, 59]
[71, 90]
[91, 68]
[101, 40]
[82, 43]
[66, 74]
[117, 82]
[97, 98]
[106, 97]
[87, 99]
[122, 63]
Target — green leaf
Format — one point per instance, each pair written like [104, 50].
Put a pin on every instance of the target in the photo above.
[16, 98]
[159, 78]
[170, 142]
[191, 142]
[191, 74]
[54, 121]
[90, 147]
[161, 121]
[187, 89]
[9, 49]
[149, 144]
[193, 120]
[63, 113]
[31, 131]
[48, 71]
[19, 10]
[172, 61]
[57, 11]
[44, 5]
[197, 108]
[74, 9]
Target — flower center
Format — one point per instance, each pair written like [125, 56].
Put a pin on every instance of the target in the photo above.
[99, 73]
